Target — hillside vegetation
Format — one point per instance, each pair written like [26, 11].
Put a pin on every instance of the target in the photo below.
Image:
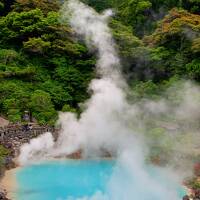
[44, 68]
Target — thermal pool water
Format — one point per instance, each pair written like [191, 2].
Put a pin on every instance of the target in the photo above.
[79, 180]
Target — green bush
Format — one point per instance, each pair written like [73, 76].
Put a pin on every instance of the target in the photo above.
[42, 108]
[3, 153]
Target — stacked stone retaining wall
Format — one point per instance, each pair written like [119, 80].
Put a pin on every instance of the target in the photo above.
[13, 136]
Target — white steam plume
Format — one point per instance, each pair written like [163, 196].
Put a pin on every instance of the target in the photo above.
[102, 119]
[111, 124]
[93, 28]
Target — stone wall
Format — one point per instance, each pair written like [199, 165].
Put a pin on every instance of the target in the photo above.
[14, 136]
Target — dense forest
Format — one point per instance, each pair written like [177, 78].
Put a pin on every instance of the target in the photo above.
[44, 68]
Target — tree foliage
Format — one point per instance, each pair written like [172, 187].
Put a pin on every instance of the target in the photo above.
[42, 107]
[44, 5]
[35, 49]
[3, 154]
[174, 44]
[44, 69]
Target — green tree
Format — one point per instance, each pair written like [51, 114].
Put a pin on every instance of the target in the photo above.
[59, 96]
[146, 89]
[191, 5]
[14, 99]
[44, 5]
[74, 82]
[135, 13]
[99, 5]
[193, 69]
[20, 25]
[42, 108]
[3, 153]
[8, 56]
[174, 44]
[37, 45]
[67, 108]
[126, 41]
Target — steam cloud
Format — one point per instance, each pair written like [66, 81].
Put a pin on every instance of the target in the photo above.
[110, 123]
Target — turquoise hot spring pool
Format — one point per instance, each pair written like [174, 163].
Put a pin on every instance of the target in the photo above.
[70, 180]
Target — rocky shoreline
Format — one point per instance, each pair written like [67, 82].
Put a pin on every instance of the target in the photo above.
[3, 195]
[195, 195]
[13, 137]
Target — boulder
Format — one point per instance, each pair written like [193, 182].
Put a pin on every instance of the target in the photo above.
[3, 196]
[3, 122]
[197, 193]
[186, 197]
